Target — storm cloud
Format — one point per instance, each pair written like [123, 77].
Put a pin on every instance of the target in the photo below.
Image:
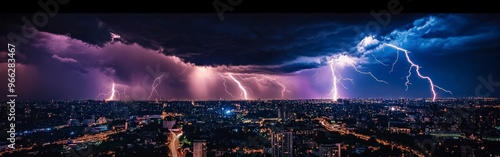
[275, 56]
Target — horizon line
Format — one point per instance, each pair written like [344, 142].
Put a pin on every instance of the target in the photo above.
[475, 97]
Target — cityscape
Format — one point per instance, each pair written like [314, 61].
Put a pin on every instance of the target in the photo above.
[384, 84]
[316, 127]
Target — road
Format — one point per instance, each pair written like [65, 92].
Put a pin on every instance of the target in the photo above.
[330, 127]
[173, 144]
[83, 139]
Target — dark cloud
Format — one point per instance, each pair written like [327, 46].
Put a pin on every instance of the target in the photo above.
[76, 53]
[246, 39]
[449, 33]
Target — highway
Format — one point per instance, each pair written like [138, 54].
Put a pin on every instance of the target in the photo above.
[83, 139]
[331, 128]
[173, 144]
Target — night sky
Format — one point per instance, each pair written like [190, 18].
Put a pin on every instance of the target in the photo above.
[266, 56]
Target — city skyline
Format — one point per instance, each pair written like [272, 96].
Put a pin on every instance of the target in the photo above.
[316, 128]
[255, 56]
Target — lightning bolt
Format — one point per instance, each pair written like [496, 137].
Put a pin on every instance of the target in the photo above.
[183, 71]
[334, 89]
[112, 96]
[114, 36]
[337, 77]
[225, 87]
[273, 80]
[340, 78]
[124, 92]
[395, 61]
[111, 93]
[342, 84]
[441, 88]
[417, 69]
[408, 78]
[155, 84]
[378, 60]
[369, 73]
[343, 79]
[241, 86]
[283, 87]
[317, 72]
[119, 94]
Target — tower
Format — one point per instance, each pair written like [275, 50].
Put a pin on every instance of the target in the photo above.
[200, 148]
[126, 125]
[338, 149]
[326, 150]
[282, 144]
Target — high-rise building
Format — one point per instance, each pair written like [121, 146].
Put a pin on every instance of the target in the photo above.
[199, 148]
[283, 113]
[279, 113]
[329, 150]
[126, 125]
[282, 144]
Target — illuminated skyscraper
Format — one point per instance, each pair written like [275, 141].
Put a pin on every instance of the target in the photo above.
[282, 144]
[200, 148]
[329, 150]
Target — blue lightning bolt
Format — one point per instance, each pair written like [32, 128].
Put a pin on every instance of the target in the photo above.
[334, 81]
[340, 79]
[369, 73]
[395, 61]
[417, 69]
[378, 61]
[337, 77]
